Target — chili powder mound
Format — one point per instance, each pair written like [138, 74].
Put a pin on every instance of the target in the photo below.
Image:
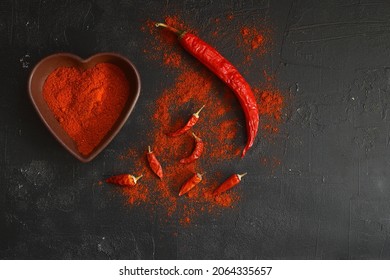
[87, 103]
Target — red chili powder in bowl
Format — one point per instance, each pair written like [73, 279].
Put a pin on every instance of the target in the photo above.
[87, 103]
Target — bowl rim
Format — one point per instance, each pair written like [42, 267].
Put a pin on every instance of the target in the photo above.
[119, 124]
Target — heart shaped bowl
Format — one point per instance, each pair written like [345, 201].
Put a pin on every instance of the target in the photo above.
[47, 65]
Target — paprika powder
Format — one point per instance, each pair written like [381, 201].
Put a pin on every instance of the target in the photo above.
[86, 103]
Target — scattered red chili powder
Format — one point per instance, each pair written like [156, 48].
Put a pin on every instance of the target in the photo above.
[270, 161]
[130, 154]
[192, 89]
[137, 194]
[271, 102]
[219, 127]
[172, 60]
[254, 42]
[252, 37]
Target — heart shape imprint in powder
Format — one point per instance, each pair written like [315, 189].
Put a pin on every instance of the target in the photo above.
[87, 103]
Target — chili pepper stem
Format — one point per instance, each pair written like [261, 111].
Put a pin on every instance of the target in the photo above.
[196, 137]
[241, 175]
[137, 178]
[174, 30]
[197, 113]
[149, 150]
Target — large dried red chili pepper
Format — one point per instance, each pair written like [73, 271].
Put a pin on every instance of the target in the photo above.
[196, 153]
[221, 67]
[191, 122]
[126, 180]
[154, 163]
[229, 183]
[190, 184]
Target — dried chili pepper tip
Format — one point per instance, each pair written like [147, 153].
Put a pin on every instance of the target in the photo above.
[191, 183]
[126, 180]
[196, 153]
[190, 123]
[229, 183]
[154, 163]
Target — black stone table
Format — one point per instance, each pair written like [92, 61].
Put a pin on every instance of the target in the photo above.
[328, 199]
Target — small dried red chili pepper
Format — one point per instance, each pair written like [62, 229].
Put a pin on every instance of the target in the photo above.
[154, 163]
[190, 184]
[126, 180]
[229, 183]
[224, 70]
[191, 122]
[196, 153]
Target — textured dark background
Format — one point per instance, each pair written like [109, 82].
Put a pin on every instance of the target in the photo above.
[329, 198]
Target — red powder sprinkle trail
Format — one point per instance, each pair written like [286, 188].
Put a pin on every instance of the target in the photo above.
[219, 127]
[173, 60]
[130, 154]
[271, 102]
[270, 161]
[254, 42]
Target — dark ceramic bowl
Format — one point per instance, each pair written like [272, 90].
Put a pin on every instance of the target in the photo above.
[49, 64]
